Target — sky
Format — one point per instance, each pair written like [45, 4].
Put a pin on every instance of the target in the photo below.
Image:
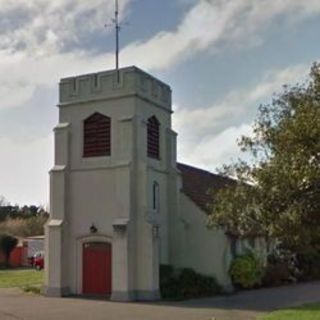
[222, 59]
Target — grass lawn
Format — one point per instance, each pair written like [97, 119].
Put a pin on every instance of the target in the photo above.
[20, 278]
[307, 312]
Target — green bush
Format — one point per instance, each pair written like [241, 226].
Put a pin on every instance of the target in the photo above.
[24, 227]
[280, 268]
[276, 274]
[7, 244]
[32, 289]
[169, 283]
[308, 264]
[246, 271]
[185, 284]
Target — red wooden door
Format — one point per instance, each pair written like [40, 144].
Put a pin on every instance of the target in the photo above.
[96, 268]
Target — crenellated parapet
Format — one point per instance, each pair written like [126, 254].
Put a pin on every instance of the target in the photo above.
[104, 85]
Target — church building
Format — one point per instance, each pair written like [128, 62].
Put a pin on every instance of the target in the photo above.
[120, 204]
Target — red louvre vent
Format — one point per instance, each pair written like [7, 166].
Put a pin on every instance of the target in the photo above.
[153, 138]
[97, 136]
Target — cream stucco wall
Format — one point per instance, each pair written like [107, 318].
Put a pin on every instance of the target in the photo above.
[207, 251]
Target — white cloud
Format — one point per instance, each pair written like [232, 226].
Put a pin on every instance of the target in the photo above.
[24, 170]
[33, 35]
[212, 22]
[212, 141]
[50, 25]
[42, 27]
[238, 102]
[14, 94]
[21, 74]
[212, 151]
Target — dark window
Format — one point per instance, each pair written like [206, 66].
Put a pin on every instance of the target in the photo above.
[155, 196]
[97, 136]
[153, 138]
[233, 246]
[252, 242]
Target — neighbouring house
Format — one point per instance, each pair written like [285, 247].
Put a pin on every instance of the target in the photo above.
[25, 249]
[18, 256]
[34, 245]
[120, 204]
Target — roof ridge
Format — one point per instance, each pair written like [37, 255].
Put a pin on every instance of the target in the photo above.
[202, 170]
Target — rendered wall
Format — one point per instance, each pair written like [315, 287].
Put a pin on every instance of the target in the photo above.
[151, 225]
[207, 251]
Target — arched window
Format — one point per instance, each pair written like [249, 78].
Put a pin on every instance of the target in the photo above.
[97, 136]
[155, 196]
[153, 138]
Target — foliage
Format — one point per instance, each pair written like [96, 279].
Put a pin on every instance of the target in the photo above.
[33, 226]
[309, 265]
[7, 244]
[278, 190]
[16, 278]
[246, 271]
[169, 283]
[22, 221]
[280, 269]
[8, 211]
[185, 284]
[276, 274]
[32, 289]
[307, 312]
[195, 285]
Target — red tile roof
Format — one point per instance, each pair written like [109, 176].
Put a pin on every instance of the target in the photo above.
[199, 185]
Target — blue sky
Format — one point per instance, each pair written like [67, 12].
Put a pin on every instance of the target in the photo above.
[222, 59]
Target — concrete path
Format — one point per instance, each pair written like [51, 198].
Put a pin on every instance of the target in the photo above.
[248, 305]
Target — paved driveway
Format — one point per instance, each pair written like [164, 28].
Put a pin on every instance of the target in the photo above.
[15, 305]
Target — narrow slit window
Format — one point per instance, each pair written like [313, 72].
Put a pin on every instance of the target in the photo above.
[97, 136]
[155, 196]
[153, 134]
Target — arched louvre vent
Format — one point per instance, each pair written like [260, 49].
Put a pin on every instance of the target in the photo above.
[153, 138]
[97, 136]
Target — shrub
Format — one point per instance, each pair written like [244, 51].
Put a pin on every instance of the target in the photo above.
[197, 285]
[32, 289]
[280, 268]
[276, 274]
[7, 244]
[246, 271]
[185, 284]
[309, 265]
[24, 227]
[169, 283]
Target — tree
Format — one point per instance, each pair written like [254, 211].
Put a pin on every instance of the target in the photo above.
[24, 227]
[278, 190]
[7, 244]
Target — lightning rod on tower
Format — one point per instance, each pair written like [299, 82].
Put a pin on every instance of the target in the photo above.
[117, 25]
[117, 28]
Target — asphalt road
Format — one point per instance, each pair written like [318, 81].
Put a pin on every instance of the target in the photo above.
[15, 305]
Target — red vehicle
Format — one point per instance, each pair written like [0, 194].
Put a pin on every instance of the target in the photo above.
[38, 260]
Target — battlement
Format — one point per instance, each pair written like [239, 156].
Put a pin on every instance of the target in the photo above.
[104, 85]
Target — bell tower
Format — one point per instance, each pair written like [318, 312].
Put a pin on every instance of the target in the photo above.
[112, 187]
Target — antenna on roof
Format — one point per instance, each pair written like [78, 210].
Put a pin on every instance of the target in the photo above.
[117, 25]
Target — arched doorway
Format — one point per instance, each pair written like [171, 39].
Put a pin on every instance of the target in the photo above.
[96, 268]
